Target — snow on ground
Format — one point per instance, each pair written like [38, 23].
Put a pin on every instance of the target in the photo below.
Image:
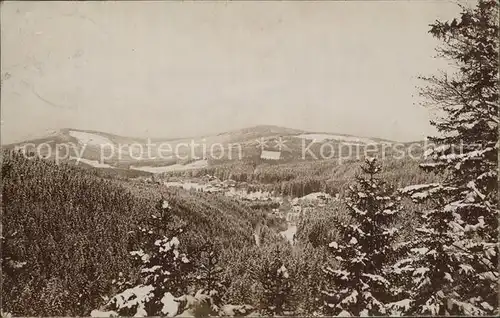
[93, 163]
[135, 297]
[176, 167]
[326, 137]
[316, 196]
[257, 239]
[159, 169]
[237, 310]
[197, 164]
[400, 306]
[98, 313]
[170, 306]
[188, 185]
[242, 193]
[122, 150]
[289, 233]
[90, 139]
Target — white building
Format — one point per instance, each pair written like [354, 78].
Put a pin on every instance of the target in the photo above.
[270, 155]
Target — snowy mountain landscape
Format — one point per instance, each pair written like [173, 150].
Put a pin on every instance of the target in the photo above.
[120, 152]
[263, 220]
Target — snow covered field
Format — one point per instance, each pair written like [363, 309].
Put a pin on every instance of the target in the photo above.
[257, 195]
[93, 163]
[176, 167]
[326, 137]
[188, 185]
[85, 138]
[316, 196]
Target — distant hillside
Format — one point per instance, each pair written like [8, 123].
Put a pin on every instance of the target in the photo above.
[105, 151]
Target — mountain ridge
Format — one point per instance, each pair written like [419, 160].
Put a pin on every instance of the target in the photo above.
[258, 144]
[258, 130]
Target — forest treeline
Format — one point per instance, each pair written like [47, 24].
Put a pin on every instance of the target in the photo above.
[302, 178]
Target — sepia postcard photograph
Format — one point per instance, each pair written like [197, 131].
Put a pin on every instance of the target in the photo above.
[250, 158]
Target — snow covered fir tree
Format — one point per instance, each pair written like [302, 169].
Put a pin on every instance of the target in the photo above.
[276, 282]
[453, 268]
[358, 285]
[210, 280]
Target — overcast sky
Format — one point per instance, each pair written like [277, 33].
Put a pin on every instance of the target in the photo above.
[168, 69]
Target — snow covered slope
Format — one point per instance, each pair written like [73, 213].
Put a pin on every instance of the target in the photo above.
[93, 139]
[335, 137]
[176, 167]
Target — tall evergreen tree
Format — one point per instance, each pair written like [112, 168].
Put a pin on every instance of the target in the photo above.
[359, 285]
[453, 268]
[210, 277]
[276, 281]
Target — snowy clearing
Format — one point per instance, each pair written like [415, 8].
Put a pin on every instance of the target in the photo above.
[93, 163]
[90, 139]
[187, 185]
[243, 194]
[316, 196]
[176, 167]
[289, 233]
[326, 137]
